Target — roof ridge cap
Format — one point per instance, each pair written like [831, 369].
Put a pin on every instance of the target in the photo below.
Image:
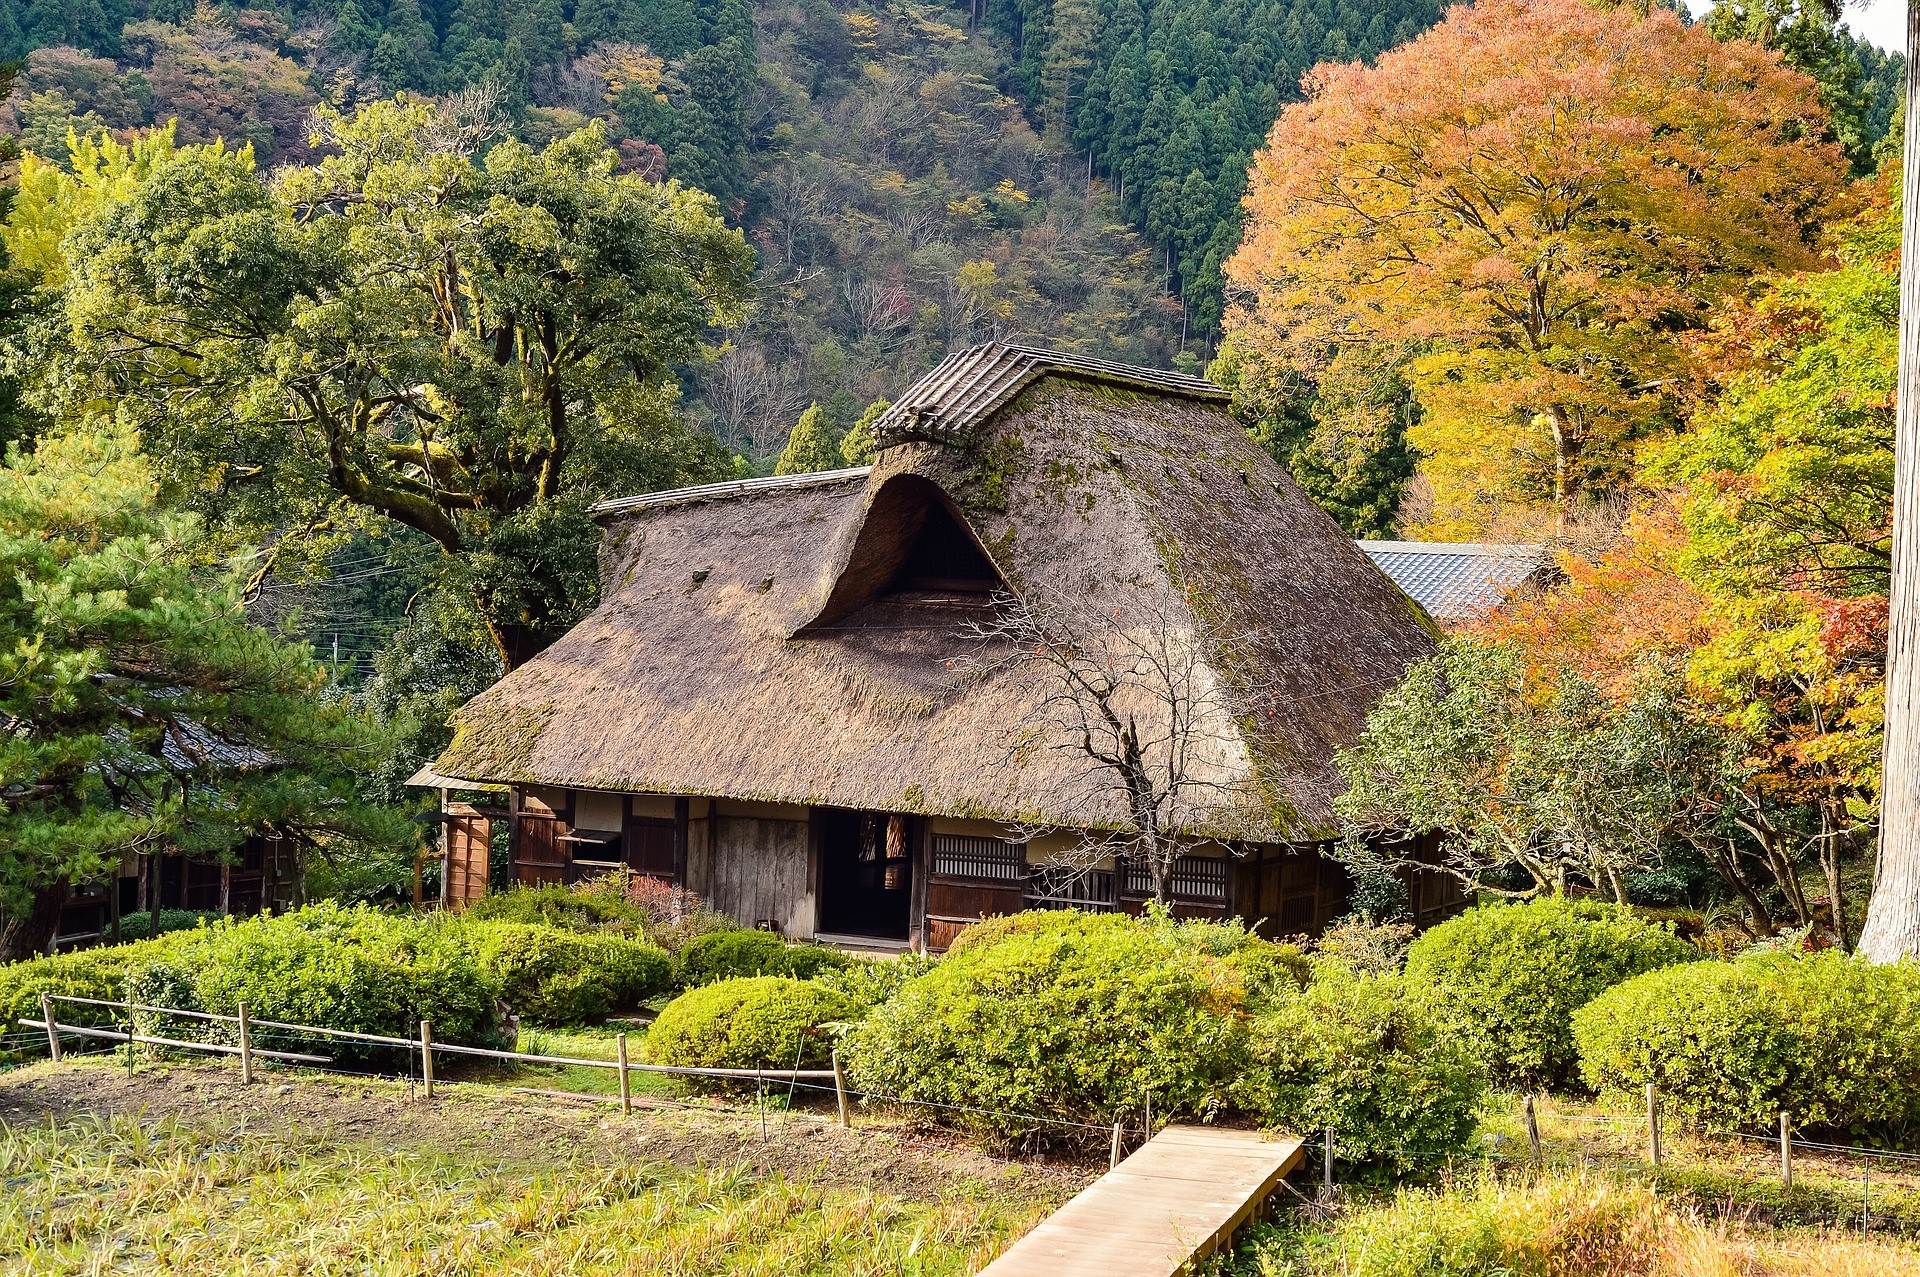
[726, 489]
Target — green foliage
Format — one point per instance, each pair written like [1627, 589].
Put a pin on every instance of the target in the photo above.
[555, 905]
[349, 969]
[857, 447]
[1513, 976]
[141, 705]
[810, 448]
[1364, 1054]
[136, 926]
[869, 982]
[82, 973]
[554, 977]
[315, 319]
[1823, 1037]
[1536, 783]
[754, 1022]
[1072, 1015]
[730, 954]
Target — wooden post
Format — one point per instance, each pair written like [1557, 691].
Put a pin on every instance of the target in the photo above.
[426, 1057]
[1326, 1168]
[626, 1088]
[1113, 1157]
[1653, 1125]
[840, 1092]
[1533, 1131]
[1786, 1151]
[46, 1016]
[246, 1047]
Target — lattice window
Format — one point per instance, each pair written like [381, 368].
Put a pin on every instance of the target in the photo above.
[1194, 878]
[978, 859]
[1064, 887]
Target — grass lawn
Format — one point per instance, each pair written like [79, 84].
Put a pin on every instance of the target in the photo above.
[181, 1170]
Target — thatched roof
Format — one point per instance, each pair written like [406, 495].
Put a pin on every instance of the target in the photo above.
[785, 641]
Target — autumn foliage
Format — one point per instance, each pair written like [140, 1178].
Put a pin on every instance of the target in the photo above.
[1524, 208]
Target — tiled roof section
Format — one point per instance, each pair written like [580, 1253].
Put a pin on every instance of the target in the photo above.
[729, 488]
[1457, 581]
[945, 405]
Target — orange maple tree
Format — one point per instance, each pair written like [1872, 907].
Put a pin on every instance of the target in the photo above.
[1524, 207]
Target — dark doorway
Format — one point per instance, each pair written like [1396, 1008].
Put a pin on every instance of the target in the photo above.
[866, 874]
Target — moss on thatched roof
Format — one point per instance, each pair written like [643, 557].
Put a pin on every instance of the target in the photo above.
[745, 645]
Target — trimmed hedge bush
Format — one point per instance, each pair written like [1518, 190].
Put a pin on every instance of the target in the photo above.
[731, 955]
[82, 973]
[1067, 1014]
[134, 926]
[1511, 976]
[759, 1022]
[1361, 1053]
[1823, 1037]
[554, 977]
[338, 968]
[593, 909]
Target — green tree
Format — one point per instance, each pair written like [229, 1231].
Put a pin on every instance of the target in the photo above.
[472, 347]
[810, 446]
[857, 448]
[143, 712]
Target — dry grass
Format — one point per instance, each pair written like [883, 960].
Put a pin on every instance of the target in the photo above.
[120, 1195]
[1558, 1225]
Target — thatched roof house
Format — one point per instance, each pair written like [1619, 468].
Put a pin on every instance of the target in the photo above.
[778, 700]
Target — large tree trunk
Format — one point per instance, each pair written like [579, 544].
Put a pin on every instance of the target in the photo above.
[1892, 929]
[29, 935]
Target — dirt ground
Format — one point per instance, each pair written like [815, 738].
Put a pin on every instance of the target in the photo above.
[511, 1129]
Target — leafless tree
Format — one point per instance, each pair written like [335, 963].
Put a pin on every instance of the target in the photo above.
[1133, 697]
[754, 399]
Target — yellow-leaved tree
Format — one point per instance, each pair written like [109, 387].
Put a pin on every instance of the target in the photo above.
[1524, 210]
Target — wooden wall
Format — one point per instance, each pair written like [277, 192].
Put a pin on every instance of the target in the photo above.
[754, 864]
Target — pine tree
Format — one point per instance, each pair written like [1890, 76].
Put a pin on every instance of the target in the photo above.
[810, 447]
[143, 711]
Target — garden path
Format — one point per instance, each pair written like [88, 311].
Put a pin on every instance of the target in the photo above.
[1177, 1199]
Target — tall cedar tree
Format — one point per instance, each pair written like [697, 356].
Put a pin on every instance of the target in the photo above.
[140, 711]
[470, 342]
[1533, 200]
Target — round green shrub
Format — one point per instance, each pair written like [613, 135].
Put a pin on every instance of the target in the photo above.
[869, 982]
[554, 977]
[732, 954]
[353, 969]
[758, 1022]
[1359, 1052]
[1731, 1045]
[1080, 1016]
[1513, 975]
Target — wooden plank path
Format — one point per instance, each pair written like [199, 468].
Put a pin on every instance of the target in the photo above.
[1176, 1200]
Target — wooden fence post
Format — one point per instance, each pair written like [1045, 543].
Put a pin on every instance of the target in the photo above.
[246, 1047]
[1786, 1151]
[1113, 1157]
[840, 1092]
[1533, 1131]
[626, 1089]
[1653, 1125]
[46, 1017]
[426, 1057]
[1326, 1169]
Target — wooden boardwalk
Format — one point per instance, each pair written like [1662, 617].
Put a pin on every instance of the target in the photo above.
[1177, 1199]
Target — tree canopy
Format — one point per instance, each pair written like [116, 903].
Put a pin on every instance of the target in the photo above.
[468, 341]
[1523, 208]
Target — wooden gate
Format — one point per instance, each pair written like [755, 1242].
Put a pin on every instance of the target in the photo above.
[538, 854]
[469, 852]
